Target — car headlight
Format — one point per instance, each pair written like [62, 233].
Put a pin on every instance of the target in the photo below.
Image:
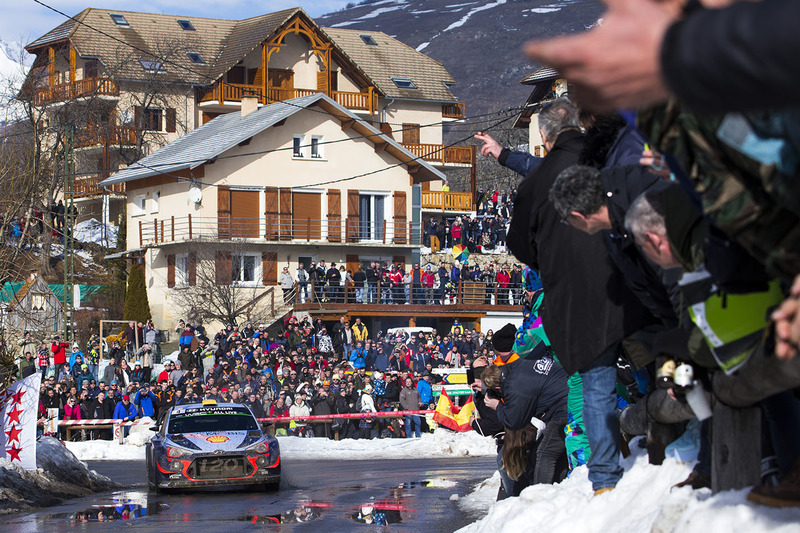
[174, 453]
[261, 447]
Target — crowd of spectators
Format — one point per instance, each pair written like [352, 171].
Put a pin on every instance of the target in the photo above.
[307, 369]
[389, 283]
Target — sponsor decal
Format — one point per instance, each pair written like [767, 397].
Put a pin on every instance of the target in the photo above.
[217, 439]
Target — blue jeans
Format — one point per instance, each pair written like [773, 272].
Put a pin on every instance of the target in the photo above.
[372, 292]
[600, 419]
[359, 294]
[417, 425]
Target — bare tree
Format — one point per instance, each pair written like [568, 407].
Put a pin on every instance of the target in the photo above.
[220, 283]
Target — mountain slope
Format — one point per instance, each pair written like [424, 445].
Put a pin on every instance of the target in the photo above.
[478, 41]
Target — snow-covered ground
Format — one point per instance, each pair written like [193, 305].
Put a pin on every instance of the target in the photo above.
[93, 231]
[59, 475]
[442, 443]
[641, 503]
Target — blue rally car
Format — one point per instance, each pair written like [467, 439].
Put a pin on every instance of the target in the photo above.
[211, 444]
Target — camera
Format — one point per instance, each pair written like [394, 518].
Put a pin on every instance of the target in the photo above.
[494, 394]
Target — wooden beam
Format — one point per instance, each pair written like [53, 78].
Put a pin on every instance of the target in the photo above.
[348, 124]
[279, 123]
[381, 146]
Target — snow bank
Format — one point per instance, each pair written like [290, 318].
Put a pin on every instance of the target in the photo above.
[642, 502]
[442, 443]
[59, 476]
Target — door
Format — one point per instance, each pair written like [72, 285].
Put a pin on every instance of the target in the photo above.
[281, 82]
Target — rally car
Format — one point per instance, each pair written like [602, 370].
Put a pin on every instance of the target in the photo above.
[210, 444]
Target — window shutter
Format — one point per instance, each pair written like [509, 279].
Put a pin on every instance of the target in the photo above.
[222, 268]
[410, 133]
[171, 120]
[271, 212]
[400, 228]
[138, 117]
[285, 214]
[334, 215]
[322, 81]
[400, 261]
[171, 270]
[224, 211]
[269, 268]
[192, 269]
[352, 215]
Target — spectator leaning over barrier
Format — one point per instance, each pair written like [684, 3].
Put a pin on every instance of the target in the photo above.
[144, 401]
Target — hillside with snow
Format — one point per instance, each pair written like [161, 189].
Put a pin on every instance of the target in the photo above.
[478, 41]
[14, 63]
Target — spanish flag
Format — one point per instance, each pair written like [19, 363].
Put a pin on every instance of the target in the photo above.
[451, 416]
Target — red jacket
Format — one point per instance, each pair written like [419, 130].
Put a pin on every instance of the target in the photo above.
[59, 350]
[428, 279]
[503, 279]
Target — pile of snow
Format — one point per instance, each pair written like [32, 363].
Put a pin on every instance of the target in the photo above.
[59, 476]
[442, 443]
[94, 231]
[641, 502]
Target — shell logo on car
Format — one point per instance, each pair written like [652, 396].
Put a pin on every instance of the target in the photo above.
[217, 439]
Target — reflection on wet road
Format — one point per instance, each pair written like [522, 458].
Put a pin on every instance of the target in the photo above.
[409, 494]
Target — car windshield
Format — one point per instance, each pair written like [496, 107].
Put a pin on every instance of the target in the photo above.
[199, 420]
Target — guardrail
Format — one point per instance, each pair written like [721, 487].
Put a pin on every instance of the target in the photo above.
[75, 89]
[276, 228]
[443, 154]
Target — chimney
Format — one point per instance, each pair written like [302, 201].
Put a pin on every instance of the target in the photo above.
[249, 102]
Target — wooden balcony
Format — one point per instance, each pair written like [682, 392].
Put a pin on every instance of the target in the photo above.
[105, 135]
[84, 88]
[447, 201]
[90, 186]
[454, 111]
[277, 228]
[225, 93]
[461, 156]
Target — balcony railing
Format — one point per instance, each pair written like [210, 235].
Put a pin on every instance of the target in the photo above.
[276, 228]
[223, 92]
[455, 110]
[447, 201]
[106, 134]
[90, 186]
[463, 293]
[75, 89]
[443, 154]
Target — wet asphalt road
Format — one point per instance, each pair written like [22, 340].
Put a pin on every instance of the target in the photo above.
[401, 495]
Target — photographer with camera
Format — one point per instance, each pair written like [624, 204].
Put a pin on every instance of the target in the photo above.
[528, 393]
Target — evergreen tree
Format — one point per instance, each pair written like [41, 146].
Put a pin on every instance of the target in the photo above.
[137, 306]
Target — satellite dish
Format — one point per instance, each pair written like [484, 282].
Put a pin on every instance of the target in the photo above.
[195, 194]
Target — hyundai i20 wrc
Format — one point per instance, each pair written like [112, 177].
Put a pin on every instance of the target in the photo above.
[211, 444]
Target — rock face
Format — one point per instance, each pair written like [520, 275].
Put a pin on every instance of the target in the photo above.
[477, 41]
[60, 476]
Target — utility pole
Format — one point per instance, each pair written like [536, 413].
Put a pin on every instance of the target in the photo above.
[69, 226]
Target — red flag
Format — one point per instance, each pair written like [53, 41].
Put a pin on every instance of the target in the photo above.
[452, 417]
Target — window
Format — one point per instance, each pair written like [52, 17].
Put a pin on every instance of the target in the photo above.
[316, 146]
[368, 39]
[196, 58]
[138, 205]
[182, 270]
[298, 149]
[243, 269]
[186, 25]
[38, 302]
[152, 65]
[91, 68]
[370, 217]
[119, 20]
[404, 83]
[154, 198]
[152, 119]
